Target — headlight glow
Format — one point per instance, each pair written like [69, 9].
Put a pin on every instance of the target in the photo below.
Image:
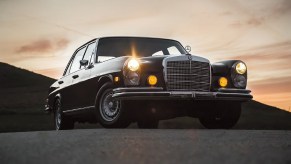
[133, 78]
[241, 68]
[133, 65]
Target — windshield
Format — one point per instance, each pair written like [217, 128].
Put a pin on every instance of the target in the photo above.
[139, 47]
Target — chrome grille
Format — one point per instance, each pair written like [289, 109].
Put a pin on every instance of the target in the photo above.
[188, 75]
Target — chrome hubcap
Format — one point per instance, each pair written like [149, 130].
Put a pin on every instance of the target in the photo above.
[58, 118]
[109, 107]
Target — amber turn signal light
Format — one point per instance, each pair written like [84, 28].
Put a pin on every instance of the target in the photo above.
[116, 79]
[222, 82]
[152, 80]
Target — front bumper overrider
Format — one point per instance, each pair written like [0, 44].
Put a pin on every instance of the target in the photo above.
[156, 93]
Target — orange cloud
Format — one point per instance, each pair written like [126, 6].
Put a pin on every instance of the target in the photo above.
[283, 7]
[275, 92]
[43, 45]
[255, 21]
[62, 43]
[272, 85]
[37, 46]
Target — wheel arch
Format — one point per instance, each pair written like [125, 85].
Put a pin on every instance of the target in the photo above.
[102, 80]
[105, 78]
[57, 96]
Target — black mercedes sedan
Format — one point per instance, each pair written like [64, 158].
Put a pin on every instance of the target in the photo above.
[119, 80]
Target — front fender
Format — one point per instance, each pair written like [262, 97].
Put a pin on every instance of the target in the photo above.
[225, 69]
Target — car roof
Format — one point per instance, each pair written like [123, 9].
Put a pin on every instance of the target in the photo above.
[136, 37]
[105, 37]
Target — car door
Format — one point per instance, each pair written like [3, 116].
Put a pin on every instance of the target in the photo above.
[63, 84]
[68, 93]
[82, 84]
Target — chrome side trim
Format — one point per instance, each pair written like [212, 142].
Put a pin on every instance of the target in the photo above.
[78, 109]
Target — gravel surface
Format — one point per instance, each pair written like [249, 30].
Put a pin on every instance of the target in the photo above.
[146, 146]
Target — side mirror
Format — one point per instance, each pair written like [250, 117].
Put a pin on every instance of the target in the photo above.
[188, 48]
[84, 62]
[91, 65]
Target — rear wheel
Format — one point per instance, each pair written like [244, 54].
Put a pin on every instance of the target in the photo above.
[111, 112]
[224, 117]
[61, 121]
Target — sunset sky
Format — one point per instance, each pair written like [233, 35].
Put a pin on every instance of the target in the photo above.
[42, 35]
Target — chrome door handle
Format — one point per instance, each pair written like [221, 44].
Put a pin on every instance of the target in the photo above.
[75, 76]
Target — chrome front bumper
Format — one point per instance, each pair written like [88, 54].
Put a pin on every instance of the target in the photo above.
[154, 93]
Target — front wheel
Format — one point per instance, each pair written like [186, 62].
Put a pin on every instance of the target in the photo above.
[111, 112]
[61, 121]
[223, 117]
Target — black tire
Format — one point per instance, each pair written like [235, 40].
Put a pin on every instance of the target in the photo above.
[115, 116]
[225, 117]
[148, 124]
[61, 122]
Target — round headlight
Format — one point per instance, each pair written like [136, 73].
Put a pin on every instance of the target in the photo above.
[133, 78]
[133, 65]
[241, 68]
[240, 81]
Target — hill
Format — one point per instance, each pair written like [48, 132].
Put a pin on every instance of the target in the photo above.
[256, 115]
[23, 94]
[22, 89]
[13, 77]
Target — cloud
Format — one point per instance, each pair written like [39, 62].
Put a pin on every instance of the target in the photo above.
[280, 51]
[272, 85]
[253, 14]
[273, 91]
[280, 56]
[43, 45]
[62, 43]
[274, 55]
[282, 8]
[255, 21]
[250, 22]
[226, 13]
[37, 46]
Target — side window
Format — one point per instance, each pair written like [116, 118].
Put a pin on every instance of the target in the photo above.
[92, 59]
[105, 52]
[104, 58]
[159, 53]
[76, 62]
[89, 52]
